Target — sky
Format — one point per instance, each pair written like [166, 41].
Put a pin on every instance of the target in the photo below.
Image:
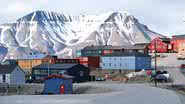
[166, 17]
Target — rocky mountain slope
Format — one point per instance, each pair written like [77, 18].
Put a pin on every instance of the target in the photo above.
[54, 33]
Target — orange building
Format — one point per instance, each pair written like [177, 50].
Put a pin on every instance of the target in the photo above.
[181, 51]
[29, 61]
[176, 41]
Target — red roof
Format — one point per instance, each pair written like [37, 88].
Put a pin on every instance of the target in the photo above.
[59, 76]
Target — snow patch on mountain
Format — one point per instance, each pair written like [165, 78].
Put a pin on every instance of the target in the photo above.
[54, 33]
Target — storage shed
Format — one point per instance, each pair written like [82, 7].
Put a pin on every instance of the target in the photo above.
[56, 84]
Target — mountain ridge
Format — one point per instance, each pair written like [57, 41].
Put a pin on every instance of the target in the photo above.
[51, 32]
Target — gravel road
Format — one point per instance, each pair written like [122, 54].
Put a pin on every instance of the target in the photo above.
[122, 94]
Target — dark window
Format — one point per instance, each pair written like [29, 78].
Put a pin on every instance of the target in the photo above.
[4, 78]
[81, 73]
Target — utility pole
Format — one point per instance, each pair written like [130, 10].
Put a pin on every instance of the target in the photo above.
[155, 64]
[48, 64]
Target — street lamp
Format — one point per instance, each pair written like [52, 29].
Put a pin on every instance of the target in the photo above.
[48, 63]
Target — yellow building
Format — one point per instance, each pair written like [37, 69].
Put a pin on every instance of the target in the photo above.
[26, 63]
[181, 51]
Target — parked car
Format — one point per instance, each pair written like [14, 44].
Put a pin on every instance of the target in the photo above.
[30, 81]
[162, 56]
[182, 66]
[181, 57]
[100, 79]
[161, 76]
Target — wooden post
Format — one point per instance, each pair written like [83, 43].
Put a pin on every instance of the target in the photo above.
[7, 88]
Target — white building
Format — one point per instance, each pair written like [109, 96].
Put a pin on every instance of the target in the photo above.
[11, 74]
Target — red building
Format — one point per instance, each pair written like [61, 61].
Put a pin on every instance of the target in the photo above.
[90, 61]
[55, 60]
[51, 59]
[68, 61]
[176, 41]
[162, 45]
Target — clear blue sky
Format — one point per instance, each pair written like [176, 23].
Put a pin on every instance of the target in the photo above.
[162, 16]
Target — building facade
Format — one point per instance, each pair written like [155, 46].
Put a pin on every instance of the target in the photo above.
[162, 45]
[104, 50]
[78, 71]
[56, 84]
[68, 61]
[90, 61]
[50, 59]
[126, 61]
[11, 74]
[26, 63]
[176, 41]
[181, 51]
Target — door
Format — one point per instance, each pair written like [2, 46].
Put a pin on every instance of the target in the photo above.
[62, 89]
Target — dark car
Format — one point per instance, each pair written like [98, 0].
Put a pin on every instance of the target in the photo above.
[30, 81]
[182, 66]
[100, 79]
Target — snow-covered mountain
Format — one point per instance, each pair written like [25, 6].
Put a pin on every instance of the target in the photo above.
[54, 33]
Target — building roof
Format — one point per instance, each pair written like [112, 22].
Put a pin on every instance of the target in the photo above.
[32, 57]
[127, 54]
[178, 37]
[9, 60]
[56, 66]
[138, 46]
[64, 76]
[7, 69]
[165, 40]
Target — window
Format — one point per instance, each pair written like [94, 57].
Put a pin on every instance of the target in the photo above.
[81, 73]
[130, 51]
[43, 71]
[54, 71]
[109, 64]
[125, 64]
[85, 59]
[114, 58]
[36, 71]
[103, 64]
[4, 78]
[120, 64]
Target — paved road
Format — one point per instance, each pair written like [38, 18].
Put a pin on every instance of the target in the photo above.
[125, 94]
[170, 64]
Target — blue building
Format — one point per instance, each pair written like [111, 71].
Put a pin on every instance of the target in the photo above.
[58, 85]
[126, 61]
[12, 74]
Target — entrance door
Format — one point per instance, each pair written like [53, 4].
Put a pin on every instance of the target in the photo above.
[62, 89]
